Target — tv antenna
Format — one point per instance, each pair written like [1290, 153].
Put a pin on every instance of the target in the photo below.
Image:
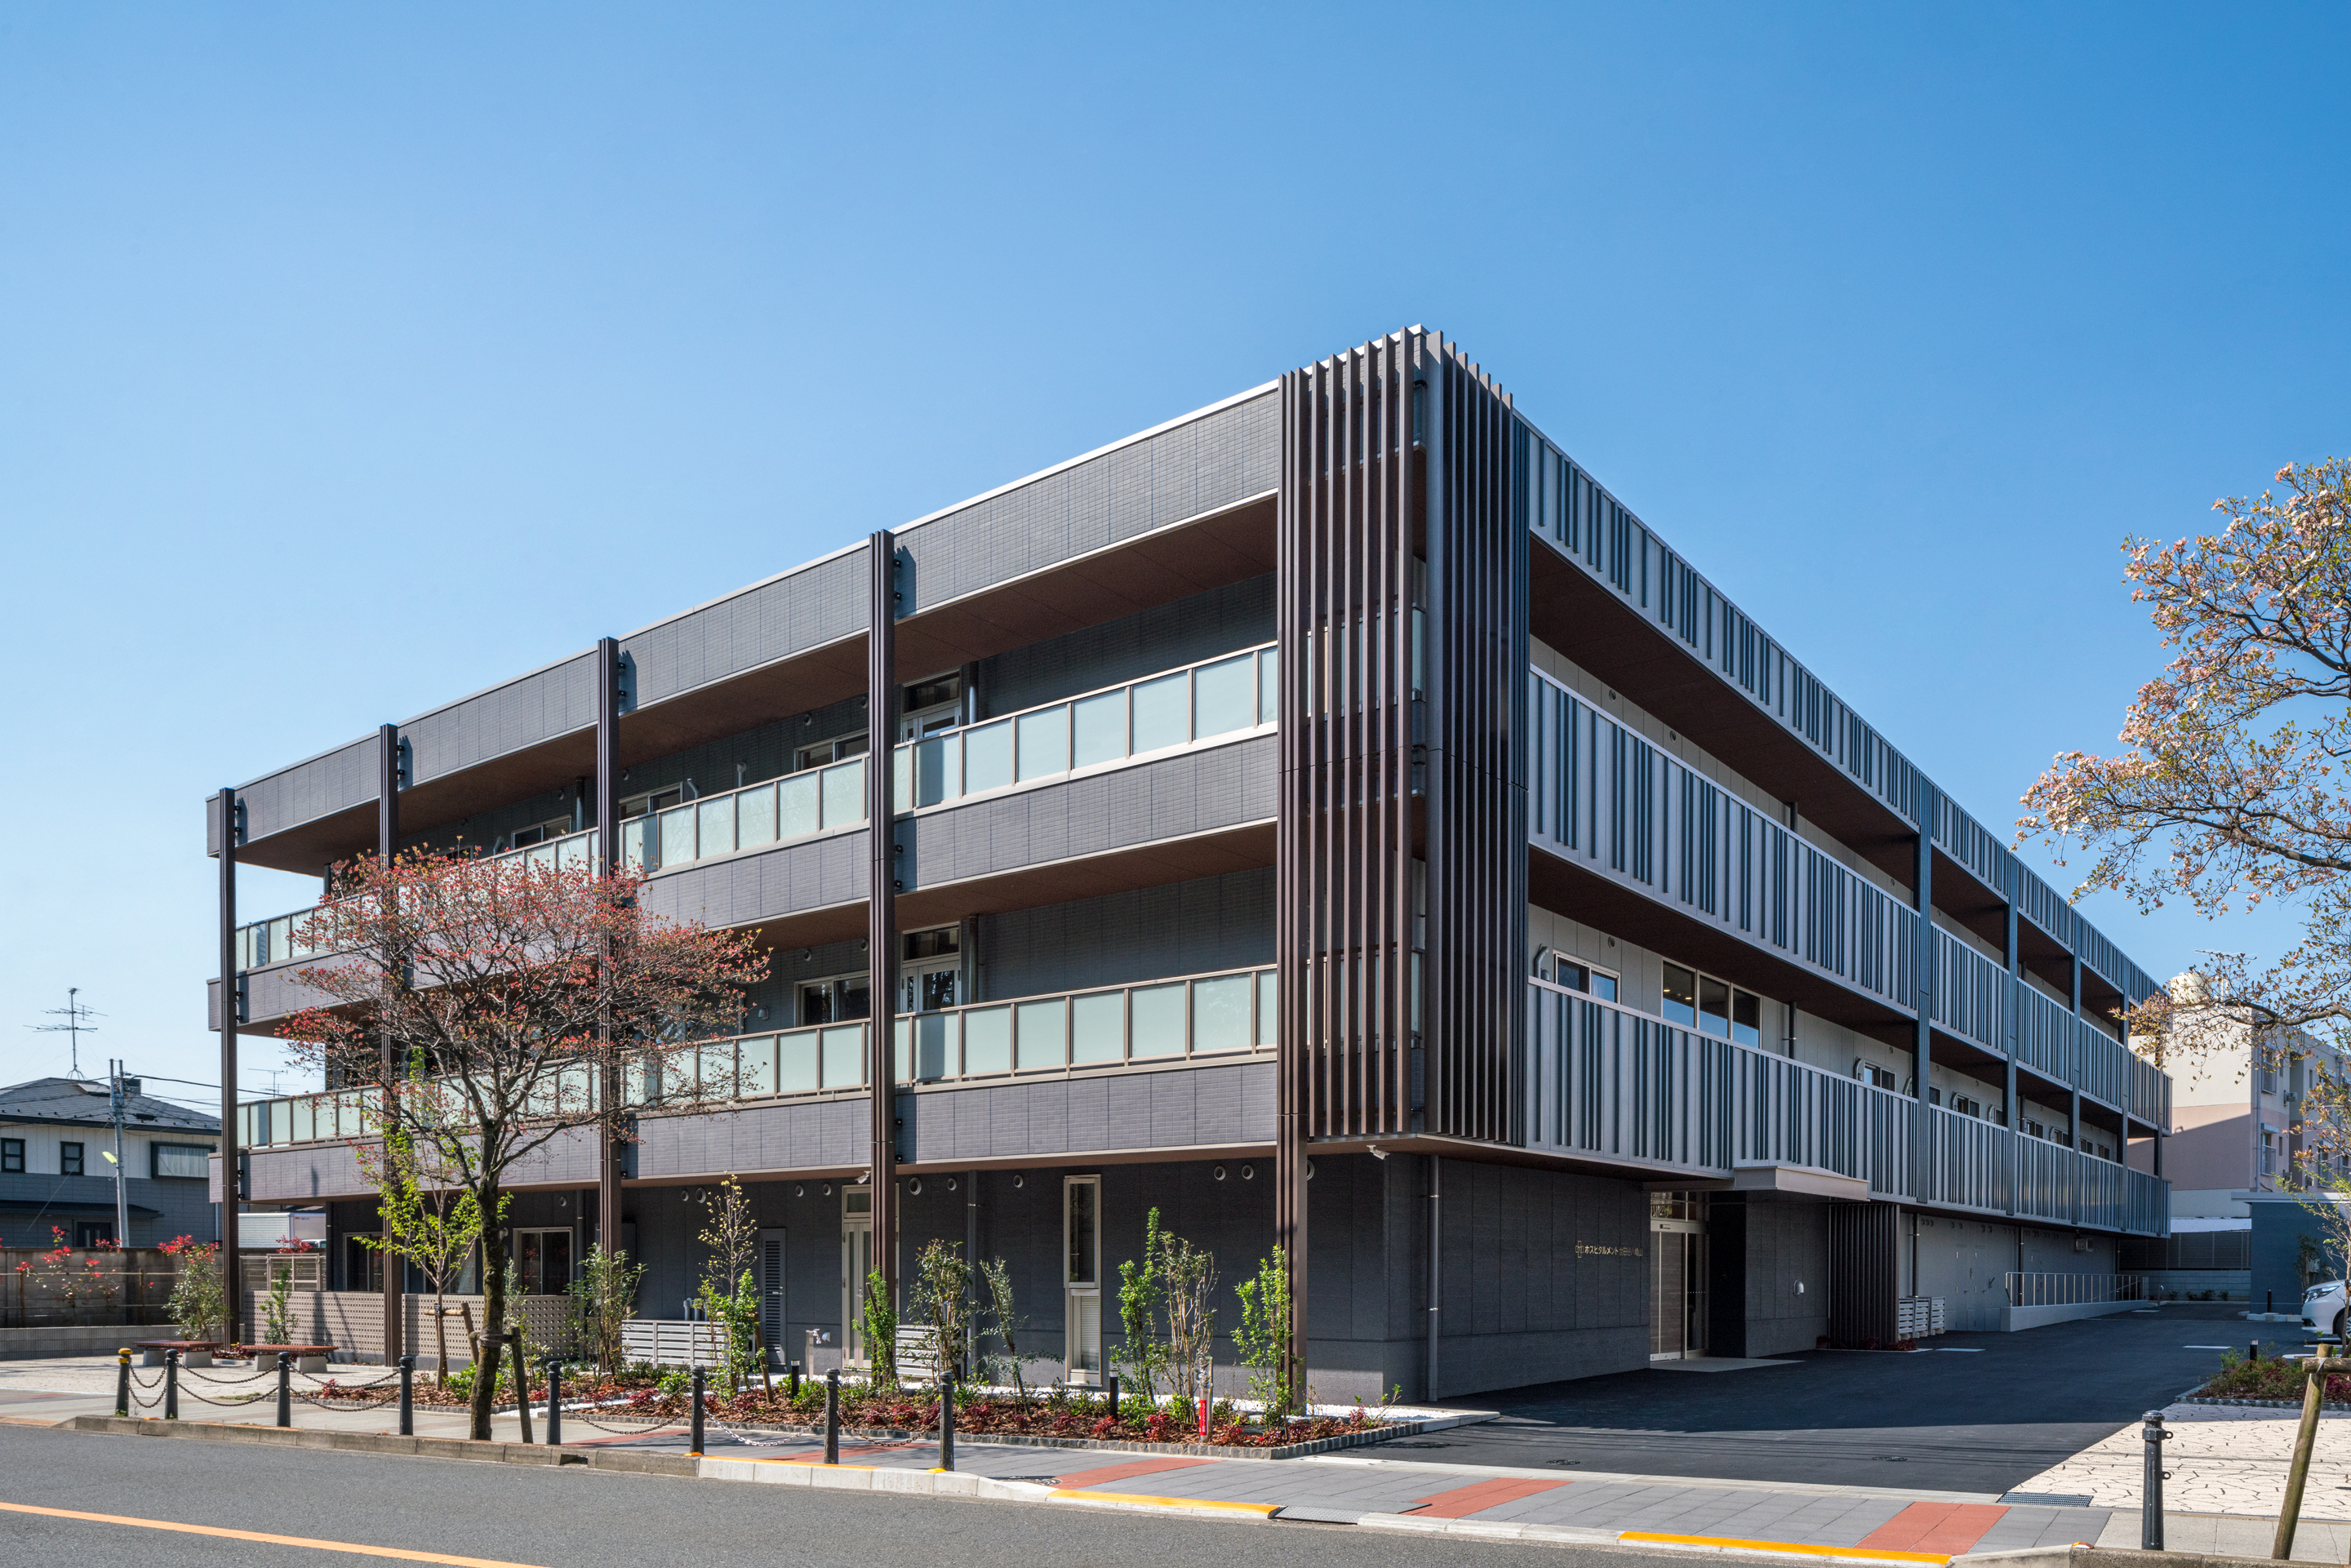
[73, 1012]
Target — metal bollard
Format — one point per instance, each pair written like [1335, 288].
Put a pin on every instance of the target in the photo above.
[554, 1402]
[946, 1426]
[285, 1389]
[793, 1367]
[171, 1385]
[694, 1444]
[408, 1396]
[2150, 1515]
[2253, 1351]
[122, 1384]
[833, 1417]
[1111, 1386]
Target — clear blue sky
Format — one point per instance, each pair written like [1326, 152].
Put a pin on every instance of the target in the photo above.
[353, 358]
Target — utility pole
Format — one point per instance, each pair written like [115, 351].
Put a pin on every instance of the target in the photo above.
[122, 1198]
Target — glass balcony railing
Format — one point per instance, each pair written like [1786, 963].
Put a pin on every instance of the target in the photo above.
[1219, 696]
[277, 940]
[816, 800]
[1203, 1015]
[1155, 1022]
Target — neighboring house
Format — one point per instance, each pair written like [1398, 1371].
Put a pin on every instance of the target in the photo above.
[2236, 1124]
[54, 1135]
[1333, 820]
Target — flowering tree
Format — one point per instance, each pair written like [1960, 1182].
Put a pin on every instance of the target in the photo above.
[2226, 793]
[491, 1006]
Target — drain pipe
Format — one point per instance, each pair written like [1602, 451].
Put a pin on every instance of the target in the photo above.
[1436, 1263]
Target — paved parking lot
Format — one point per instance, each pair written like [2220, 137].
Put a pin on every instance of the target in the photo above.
[1979, 1413]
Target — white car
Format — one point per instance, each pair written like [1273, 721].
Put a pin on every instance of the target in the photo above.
[2323, 1308]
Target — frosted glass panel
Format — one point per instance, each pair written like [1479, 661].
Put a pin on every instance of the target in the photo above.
[1163, 712]
[1268, 1006]
[1098, 1027]
[1268, 685]
[844, 1056]
[633, 844]
[844, 794]
[795, 809]
[937, 764]
[717, 826]
[757, 1067]
[574, 852]
[1220, 1013]
[1224, 697]
[677, 835]
[987, 757]
[935, 1039]
[987, 1040]
[1159, 1021]
[755, 816]
[796, 1071]
[1044, 743]
[1044, 1034]
[1101, 726]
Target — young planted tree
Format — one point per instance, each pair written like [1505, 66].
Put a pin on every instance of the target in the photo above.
[730, 1295]
[1142, 1291]
[2229, 789]
[603, 1297]
[489, 1005]
[427, 1220]
[1191, 1275]
[941, 1299]
[1262, 1340]
[878, 1325]
[1005, 1323]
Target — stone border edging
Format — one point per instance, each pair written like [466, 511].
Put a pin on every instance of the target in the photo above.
[629, 1460]
[2258, 1404]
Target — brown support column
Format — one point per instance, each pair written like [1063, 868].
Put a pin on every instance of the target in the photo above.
[232, 1330]
[607, 822]
[387, 845]
[882, 905]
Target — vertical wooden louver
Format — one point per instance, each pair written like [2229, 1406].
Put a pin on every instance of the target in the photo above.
[1402, 599]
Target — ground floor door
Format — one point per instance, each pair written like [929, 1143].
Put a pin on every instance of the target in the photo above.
[1678, 1262]
[856, 1263]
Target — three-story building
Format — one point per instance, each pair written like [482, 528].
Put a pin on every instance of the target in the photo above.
[1335, 820]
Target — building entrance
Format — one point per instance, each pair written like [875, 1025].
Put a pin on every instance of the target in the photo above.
[1678, 1268]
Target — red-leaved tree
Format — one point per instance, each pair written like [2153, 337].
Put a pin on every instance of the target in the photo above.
[493, 1006]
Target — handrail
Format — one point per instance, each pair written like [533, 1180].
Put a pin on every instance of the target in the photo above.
[273, 941]
[2032, 1289]
[1204, 700]
[1221, 1014]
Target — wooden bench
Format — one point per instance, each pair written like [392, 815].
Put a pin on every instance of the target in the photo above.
[307, 1357]
[192, 1351]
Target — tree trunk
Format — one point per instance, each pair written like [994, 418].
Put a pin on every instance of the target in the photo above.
[441, 1337]
[494, 1314]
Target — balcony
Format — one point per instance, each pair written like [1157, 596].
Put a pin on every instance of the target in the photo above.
[798, 805]
[1223, 1015]
[1605, 1081]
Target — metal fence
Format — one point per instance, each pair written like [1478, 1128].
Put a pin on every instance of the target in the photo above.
[2073, 1290]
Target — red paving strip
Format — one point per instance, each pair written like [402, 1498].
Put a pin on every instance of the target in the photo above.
[1120, 1473]
[1463, 1501]
[1946, 1527]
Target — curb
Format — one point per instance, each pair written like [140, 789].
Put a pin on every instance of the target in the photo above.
[1498, 1529]
[2258, 1404]
[1192, 1507]
[869, 1478]
[1734, 1546]
[635, 1463]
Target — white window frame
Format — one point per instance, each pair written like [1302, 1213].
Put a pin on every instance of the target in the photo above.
[1081, 1303]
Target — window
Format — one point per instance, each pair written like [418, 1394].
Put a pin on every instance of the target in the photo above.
[1082, 1276]
[930, 706]
[68, 1159]
[12, 1154]
[644, 805]
[181, 1160]
[830, 751]
[2034, 1129]
[93, 1233]
[1712, 1006]
[1581, 976]
[932, 969]
[362, 1265]
[543, 1261]
[842, 1000]
[1869, 1073]
[1966, 1106]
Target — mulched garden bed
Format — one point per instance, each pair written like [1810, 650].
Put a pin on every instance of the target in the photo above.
[1060, 1417]
[2268, 1382]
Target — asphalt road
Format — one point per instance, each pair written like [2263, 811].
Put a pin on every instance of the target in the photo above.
[1939, 1421]
[577, 1518]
